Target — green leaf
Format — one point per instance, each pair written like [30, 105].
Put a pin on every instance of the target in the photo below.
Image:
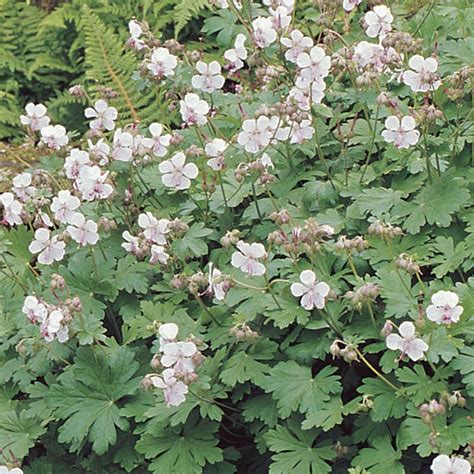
[192, 242]
[242, 367]
[396, 291]
[296, 452]
[375, 201]
[464, 362]
[434, 204]
[130, 275]
[380, 459]
[420, 387]
[178, 451]
[451, 257]
[294, 388]
[88, 397]
[387, 402]
[18, 432]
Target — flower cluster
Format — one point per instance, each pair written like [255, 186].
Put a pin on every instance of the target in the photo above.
[180, 360]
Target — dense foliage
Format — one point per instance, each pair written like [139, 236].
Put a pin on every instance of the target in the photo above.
[248, 254]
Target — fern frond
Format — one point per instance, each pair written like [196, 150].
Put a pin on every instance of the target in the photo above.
[108, 65]
[186, 10]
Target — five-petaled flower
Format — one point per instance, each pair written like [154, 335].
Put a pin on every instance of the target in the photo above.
[35, 310]
[154, 229]
[54, 136]
[378, 21]
[174, 390]
[194, 110]
[176, 173]
[12, 209]
[423, 78]
[443, 464]
[407, 342]
[402, 132]
[247, 258]
[64, 207]
[444, 308]
[35, 117]
[215, 150]
[162, 63]
[209, 77]
[263, 33]
[49, 248]
[83, 231]
[103, 115]
[297, 43]
[238, 54]
[179, 356]
[313, 293]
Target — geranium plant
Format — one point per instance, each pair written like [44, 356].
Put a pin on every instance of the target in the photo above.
[272, 274]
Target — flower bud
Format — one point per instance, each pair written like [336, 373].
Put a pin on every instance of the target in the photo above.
[147, 383]
[155, 362]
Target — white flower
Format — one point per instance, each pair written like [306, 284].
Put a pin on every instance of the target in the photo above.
[444, 308]
[423, 77]
[194, 110]
[54, 136]
[168, 333]
[176, 174]
[35, 117]
[209, 78]
[135, 32]
[378, 21]
[154, 229]
[306, 93]
[297, 43]
[159, 143]
[49, 249]
[131, 244]
[163, 63]
[34, 309]
[238, 54]
[246, 259]
[123, 143]
[158, 254]
[83, 231]
[257, 134]
[74, 163]
[301, 131]
[215, 149]
[349, 5]
[313, 293]
[263, 33]
[174, 390]
[375, 56]
[22, 186]
[102, 114]
[12, 209]
[401, 133]
[54, 326]
[443, 464]
[6, 470]
[225, 4]
[92, 183]
[281, 17]
[179, 356]
[266, 161]
[314, 65]
[216, 283]
[64, 205]
[100, 150]
[407, 342]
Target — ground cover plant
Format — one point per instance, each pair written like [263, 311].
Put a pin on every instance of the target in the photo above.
[252, 253]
